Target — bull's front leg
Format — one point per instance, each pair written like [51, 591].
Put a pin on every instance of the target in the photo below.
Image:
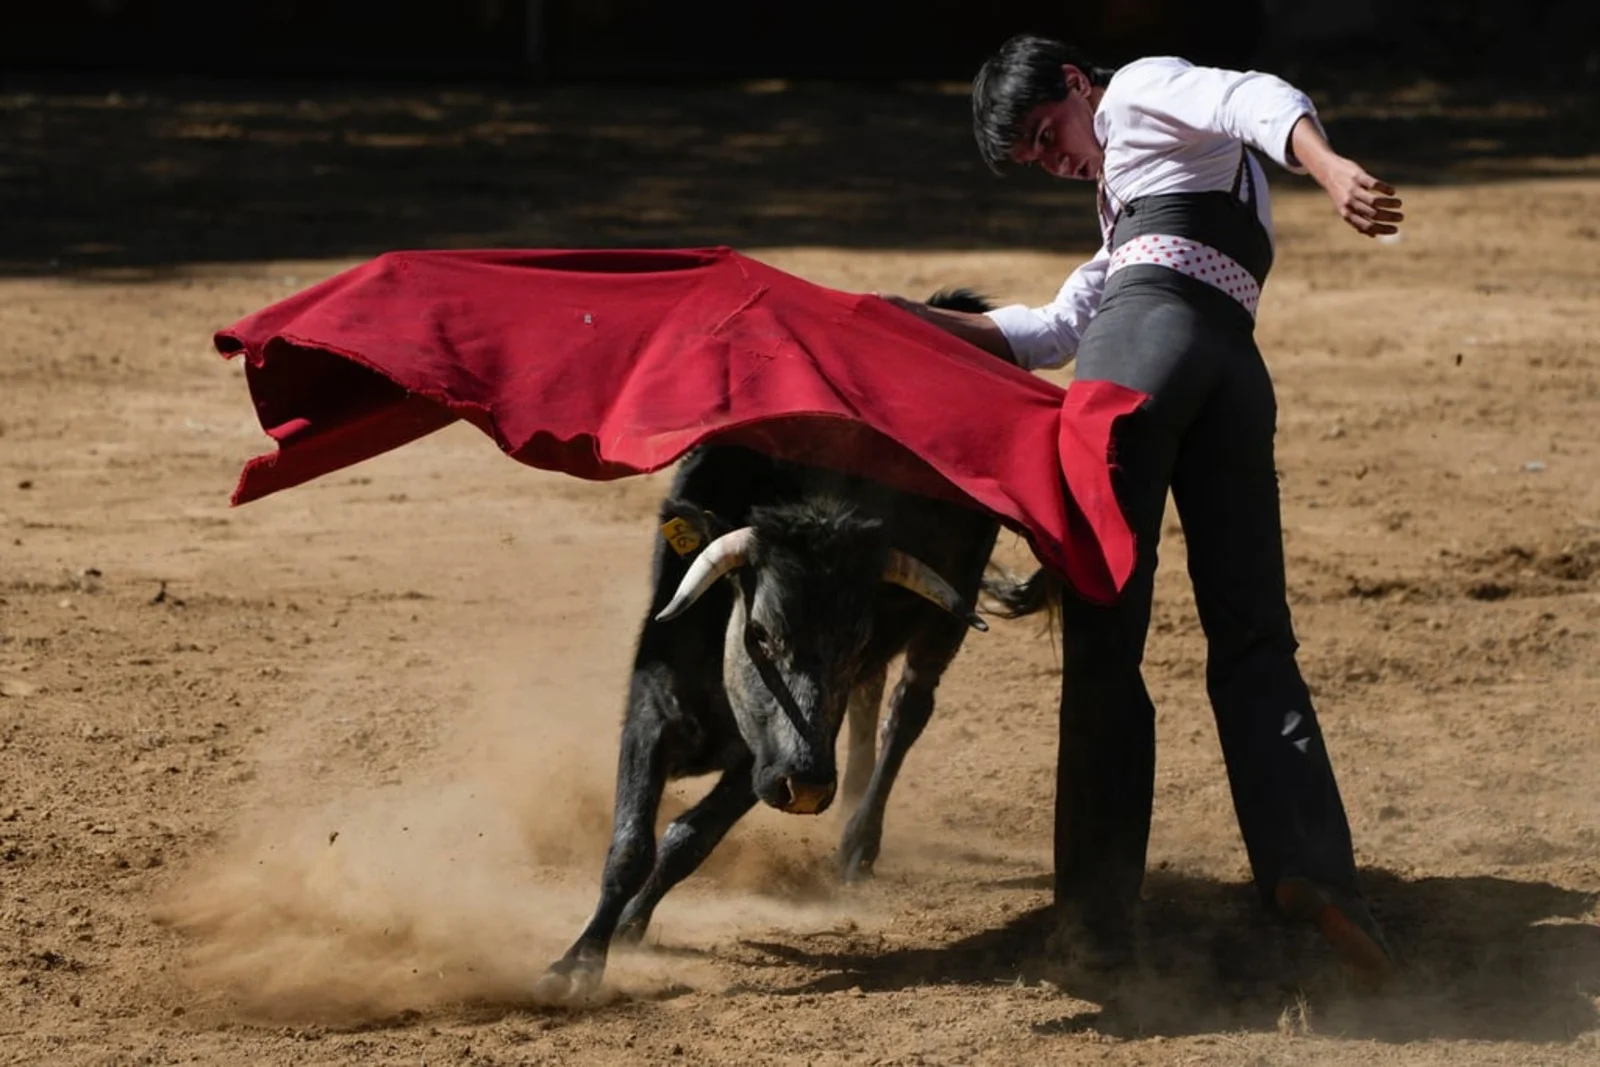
[688, 840]
[910, 707]
[862, 755]
[641, 779]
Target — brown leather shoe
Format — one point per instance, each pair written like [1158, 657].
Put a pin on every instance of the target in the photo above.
[1346, 925]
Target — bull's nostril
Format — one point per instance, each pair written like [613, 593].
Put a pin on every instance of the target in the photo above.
[807, 798]
[782, 794]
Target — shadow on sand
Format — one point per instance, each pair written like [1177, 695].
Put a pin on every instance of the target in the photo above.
[1481, 958]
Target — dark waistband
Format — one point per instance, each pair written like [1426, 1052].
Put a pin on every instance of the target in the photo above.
[1218, 219]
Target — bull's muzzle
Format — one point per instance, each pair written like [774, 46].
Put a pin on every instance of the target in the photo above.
[801, 796]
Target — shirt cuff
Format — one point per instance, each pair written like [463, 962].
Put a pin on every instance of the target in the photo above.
[1277, 137]
[1032, 342]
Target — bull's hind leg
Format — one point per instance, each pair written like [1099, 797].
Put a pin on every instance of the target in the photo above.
[865, 701]
[910, 708]
[641, 779]
[688, 841]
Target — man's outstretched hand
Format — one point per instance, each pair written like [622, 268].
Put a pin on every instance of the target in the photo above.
[1367, 204]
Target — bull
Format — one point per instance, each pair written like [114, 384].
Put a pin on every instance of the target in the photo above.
[781, 594]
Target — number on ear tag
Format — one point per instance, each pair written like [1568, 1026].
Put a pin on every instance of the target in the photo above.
[681, 536]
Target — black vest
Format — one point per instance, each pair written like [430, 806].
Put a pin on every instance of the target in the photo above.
[1219, 219]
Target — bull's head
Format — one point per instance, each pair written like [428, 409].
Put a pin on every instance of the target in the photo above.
[808, 579]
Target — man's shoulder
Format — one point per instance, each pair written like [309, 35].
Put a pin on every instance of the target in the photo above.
[1133, 85]
[1147, 70]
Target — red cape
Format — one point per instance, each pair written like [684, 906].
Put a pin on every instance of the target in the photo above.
[604, 364]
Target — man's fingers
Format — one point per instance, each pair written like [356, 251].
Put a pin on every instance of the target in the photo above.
[1370, 205]
[1369, 224]
[1362, 196]
[1374, 209]
[1371, 211]
[1367, 181]
[1366, 197]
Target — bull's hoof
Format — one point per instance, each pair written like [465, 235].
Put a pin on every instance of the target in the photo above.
[858, 851]
[855, 866]
[630, 931]
[855, 873]
[569, 982]
[552, 988]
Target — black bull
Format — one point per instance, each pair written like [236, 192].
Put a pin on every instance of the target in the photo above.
[781, 594]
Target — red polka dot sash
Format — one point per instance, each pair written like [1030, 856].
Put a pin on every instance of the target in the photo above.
[1198, 261]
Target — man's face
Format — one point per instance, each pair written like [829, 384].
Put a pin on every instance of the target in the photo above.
[1058, 137]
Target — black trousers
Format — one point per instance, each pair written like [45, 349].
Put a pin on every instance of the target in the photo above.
[1207, 434]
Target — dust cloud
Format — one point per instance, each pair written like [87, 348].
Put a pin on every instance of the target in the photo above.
[363, 900]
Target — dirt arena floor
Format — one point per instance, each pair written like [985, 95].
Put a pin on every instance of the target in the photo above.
[325, 779]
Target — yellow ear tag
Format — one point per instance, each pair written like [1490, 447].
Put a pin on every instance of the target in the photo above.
[681, 536]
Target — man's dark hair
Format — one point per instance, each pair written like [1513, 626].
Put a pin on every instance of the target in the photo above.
[1023, 74]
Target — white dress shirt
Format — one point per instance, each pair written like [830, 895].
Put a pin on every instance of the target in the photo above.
[1167, 126]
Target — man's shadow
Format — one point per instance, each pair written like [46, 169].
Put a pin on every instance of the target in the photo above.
[1480, 958]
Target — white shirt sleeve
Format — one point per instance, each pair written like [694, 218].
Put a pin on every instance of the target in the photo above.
[1175, 98]
[1048, 336]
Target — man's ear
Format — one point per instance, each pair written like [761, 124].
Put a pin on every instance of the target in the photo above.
[1075, 79]
[688, 528]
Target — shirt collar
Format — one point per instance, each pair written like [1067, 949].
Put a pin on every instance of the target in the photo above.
[1102, 118]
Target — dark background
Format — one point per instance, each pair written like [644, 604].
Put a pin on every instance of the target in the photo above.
[1539, 40]
[139, 136]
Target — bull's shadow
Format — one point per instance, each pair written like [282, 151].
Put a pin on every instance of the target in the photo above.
[1481, 958]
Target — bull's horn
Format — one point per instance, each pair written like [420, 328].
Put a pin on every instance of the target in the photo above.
[911, 573]
[726, 553]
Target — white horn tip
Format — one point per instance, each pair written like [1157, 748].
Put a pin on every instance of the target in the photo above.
[672, 610]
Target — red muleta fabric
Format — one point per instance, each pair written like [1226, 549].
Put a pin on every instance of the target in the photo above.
[604, 364]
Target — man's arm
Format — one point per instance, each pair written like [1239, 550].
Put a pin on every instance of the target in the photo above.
[1176, 100]
[971, 327]
[1031, 337]
[1165, 102]
[1367, 204]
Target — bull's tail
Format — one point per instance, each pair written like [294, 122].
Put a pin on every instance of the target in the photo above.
[1017, 598]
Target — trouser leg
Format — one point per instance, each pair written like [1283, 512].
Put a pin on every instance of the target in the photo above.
[1226, 490]
[1105, 769]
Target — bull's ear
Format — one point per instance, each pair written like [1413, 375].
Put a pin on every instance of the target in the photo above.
[688, 528]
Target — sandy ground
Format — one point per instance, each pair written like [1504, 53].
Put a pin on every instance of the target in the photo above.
[325, 779]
